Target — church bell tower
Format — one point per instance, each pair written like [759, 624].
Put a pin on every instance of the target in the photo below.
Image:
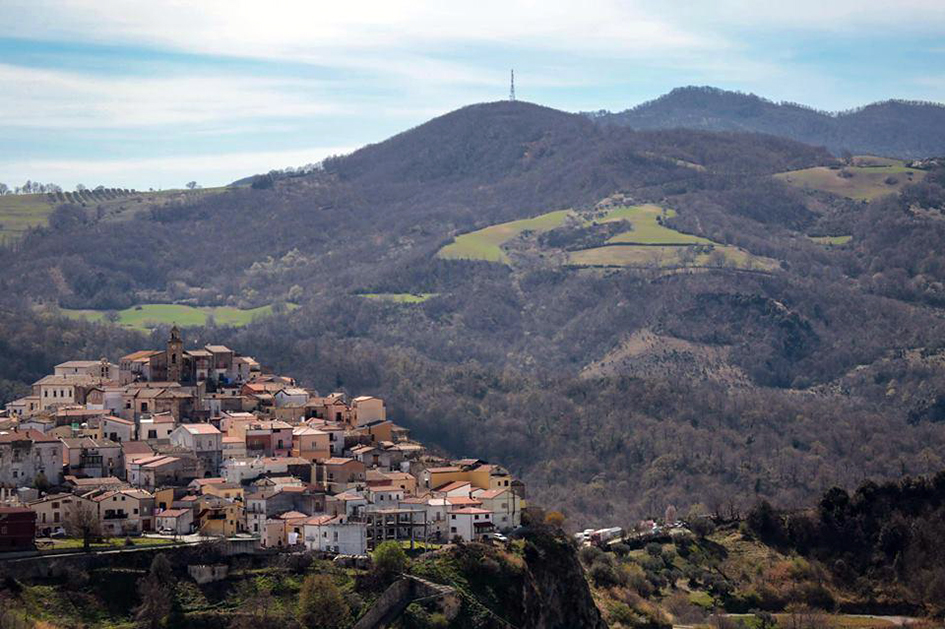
[175, 356]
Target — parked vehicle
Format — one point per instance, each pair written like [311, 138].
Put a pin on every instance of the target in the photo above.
[602, 536]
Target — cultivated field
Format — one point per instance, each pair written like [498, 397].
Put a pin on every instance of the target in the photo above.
[831, 240]
[19, 212]
[647, 227]
[400, 298]
[486, 243]
[652, 244]
[647, 242]
[149, 316]
[873, 177]
[662, 256]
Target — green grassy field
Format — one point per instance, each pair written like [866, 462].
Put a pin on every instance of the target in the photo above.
[73, 543]
[148, 316]
[648, 243]
[486, 243]
[831, 240]
[19, 212]
[647, 229]
[399, 298]
[874, 178]
[654, 245]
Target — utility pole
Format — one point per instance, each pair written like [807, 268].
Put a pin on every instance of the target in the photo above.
[512, 87]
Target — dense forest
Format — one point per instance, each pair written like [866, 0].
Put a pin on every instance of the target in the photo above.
[894, 128]
[882, 538]
[777, 383]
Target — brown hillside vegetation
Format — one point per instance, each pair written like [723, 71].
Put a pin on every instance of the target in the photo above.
[612, 391]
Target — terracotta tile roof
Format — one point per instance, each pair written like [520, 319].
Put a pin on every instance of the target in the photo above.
[292, 515]
[200, 482]
[337, 460]
[118, 420]
[160, 462]
[140, 355]
[136, 447]
[471, 511]
[443, 470]
[488, 494]
[25, 435]
[456, 484]
[381, 488]
[463, 500]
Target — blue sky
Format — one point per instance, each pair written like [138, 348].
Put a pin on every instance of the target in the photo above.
[154, 94]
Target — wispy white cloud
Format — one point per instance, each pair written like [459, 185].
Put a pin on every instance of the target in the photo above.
[55, 98]
[315, 31]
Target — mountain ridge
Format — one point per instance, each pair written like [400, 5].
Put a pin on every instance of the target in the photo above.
[897, 128]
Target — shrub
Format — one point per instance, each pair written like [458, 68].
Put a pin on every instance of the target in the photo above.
[389, 558]
[605, 574]
[590, 553]
[555, 519]
[321, 604]
[702, 527]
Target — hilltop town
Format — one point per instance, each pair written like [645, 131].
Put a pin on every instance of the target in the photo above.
[202, 443]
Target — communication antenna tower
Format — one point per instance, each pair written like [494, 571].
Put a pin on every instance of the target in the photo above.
[512, 87]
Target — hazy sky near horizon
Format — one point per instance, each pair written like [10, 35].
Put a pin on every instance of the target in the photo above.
[154, 94]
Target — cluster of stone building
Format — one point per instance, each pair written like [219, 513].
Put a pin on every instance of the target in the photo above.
[203, 441]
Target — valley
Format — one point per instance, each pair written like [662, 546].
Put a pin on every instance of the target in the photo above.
[475, 315]
[624, 329]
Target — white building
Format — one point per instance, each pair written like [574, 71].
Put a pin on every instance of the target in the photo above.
[471, 524]
[204, 440]
[116, 429]
[291, 396]
[24, 454]
[336, 534]
[437, 512]
[506, 506]
[178, 521]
